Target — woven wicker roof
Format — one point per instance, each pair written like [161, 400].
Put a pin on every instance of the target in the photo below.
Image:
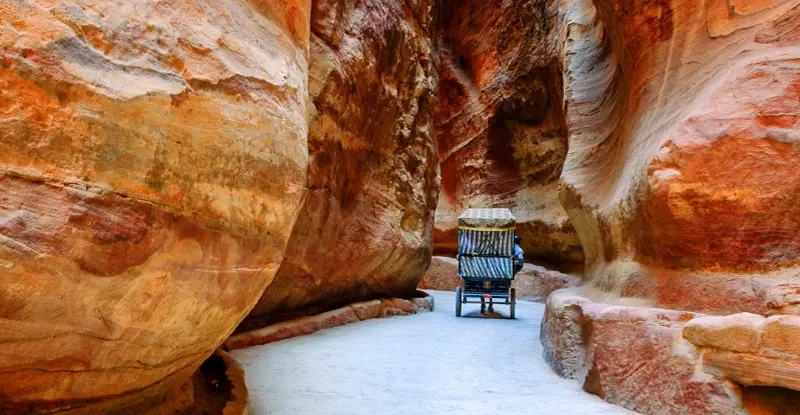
[487, 218]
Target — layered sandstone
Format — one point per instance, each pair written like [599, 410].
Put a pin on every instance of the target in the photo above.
[679, 179]
[673, 362]
[152, 162]
[500, 124]
[683, 142]
[365, 227]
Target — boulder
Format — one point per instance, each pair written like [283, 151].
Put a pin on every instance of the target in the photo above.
[441, 275]
[634, 357]
[535, 283]
[351, 313]
[152, 163]
[365, 228]
[738, 332]
[781, 336]
[761, 354]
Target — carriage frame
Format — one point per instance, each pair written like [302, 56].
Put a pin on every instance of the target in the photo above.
[486, 259]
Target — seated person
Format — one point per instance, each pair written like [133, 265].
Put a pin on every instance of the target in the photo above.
[519, 258]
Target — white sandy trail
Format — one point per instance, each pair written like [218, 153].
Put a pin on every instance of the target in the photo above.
[430, 363]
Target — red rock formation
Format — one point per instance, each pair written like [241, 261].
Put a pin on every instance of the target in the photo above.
[682, 168]
[499, 123]
[365, 228]
[441, 275]
[681, 171]
[351, 313]
[152, 161]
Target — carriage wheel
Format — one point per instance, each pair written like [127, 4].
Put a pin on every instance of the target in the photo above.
[458, 302]
[513, 301]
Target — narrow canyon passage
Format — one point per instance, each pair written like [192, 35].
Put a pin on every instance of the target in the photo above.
[430, 363]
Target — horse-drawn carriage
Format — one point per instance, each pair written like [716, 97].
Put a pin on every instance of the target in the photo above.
[486, 259]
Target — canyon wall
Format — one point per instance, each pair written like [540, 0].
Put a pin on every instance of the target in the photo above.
[681, 180]
[165, 165]
[152, 162]
[500, 125]
[681, 176]
[365, 227]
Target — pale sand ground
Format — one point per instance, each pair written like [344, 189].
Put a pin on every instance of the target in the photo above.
[430, 363]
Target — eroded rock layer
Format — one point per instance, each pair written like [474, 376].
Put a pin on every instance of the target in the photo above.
[679, 180]
[681, 171]
[500, 125]
[152, 161]
[658, 361]
[365, 227]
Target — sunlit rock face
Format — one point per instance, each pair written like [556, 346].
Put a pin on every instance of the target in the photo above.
[681, 180]
[499, 123]
[365, 230]
[682, 171]
[152, 162]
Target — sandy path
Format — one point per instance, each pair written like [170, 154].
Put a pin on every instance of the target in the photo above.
[430, 363]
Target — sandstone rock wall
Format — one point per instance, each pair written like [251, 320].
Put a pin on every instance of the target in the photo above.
[658, 361]
[681, 120]
[681, 171]
[152, 161]
[365, 227]
[500, 124]
[682, 124]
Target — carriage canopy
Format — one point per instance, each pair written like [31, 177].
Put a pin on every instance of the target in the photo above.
[486, 244]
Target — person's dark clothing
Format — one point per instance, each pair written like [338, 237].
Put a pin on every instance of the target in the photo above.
[519, 258]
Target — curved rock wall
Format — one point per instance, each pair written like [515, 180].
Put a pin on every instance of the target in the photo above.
[157, 159]
[681, 171]
[499, 123]
[681, 181]
[152, 162]
[365, 227]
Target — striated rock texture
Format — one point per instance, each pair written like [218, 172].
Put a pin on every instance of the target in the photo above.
[658, 361]
[681, 176]
[633, 357]
[152, 162]
[681, 181]
[365, 227]
[500, 125]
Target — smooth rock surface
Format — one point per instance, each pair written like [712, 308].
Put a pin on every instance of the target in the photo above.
[431, 362]
[681, 176]
[365, 229]
[152, 162]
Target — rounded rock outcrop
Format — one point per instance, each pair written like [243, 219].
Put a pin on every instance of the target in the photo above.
[152, 162]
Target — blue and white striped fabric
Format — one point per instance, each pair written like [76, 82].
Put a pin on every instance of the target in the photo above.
[486, 242]
[485, 253]
[485, 267]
